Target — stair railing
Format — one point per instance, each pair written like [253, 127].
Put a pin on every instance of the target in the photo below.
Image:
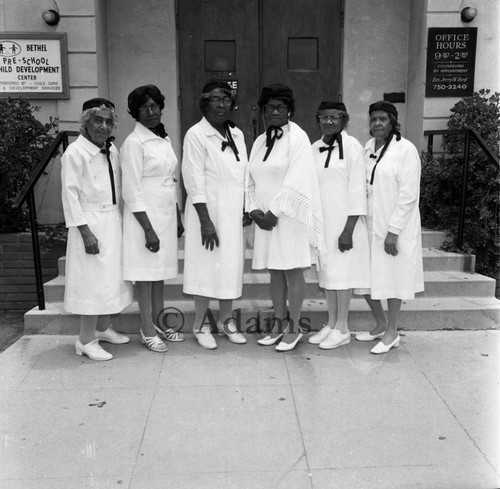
[27, 195]
[469, 134]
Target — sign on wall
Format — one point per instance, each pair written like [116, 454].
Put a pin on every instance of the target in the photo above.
[33, 65]
[451, 57]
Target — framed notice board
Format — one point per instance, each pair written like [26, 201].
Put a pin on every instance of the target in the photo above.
[33, 65]
[451, 59]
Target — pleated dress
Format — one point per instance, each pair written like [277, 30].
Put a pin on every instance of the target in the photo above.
[94, 283]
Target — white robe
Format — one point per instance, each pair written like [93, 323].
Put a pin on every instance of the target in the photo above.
[216, 178]
[149, 167]
[393, 206]
[285, 184]
[343, 193]
[94, 283]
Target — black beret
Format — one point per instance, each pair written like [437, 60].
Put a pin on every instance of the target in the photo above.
[276, 90]
[385, 106]
[212, 85]
[332, 105]
[97, 102]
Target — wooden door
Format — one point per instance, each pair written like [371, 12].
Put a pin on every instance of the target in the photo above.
[250, 43]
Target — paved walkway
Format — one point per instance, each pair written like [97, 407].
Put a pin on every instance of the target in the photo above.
[423, 416]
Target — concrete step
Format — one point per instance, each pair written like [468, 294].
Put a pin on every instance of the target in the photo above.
[256, 286]
[422, 313]
[433, 259]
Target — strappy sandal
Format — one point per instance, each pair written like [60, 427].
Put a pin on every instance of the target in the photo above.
[153, 343]
[170, 334]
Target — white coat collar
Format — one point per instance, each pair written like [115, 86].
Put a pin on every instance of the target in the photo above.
[88, 145]
[211, 131]
[143, 133]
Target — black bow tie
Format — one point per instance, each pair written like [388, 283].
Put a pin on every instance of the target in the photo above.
[230, 141]
[105, 151]
[336, 137]
[272, 134]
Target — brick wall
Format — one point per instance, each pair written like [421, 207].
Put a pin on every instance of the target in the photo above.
[17, 272]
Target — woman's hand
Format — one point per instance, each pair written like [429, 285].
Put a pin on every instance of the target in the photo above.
[247, 220]
[209, 237]
[345, 241]
[180, 227]
[269, 219]
[152, 241]
[257, 215]
[89, 240]
[390, 244]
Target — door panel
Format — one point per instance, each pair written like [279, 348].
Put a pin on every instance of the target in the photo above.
[288, 41]
[314, 27]
[201, 23]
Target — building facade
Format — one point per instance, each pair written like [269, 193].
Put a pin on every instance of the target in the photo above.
[357, 51]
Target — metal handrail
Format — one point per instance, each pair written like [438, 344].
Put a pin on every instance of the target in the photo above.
[27, 195]
[492, 157]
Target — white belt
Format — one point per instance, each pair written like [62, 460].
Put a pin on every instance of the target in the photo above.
[92, 206]
[165, 181]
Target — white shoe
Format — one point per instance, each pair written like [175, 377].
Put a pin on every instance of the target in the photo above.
[282, 346]
[381, 348]
[317, 338]
[111, 336]
[368, 336]
[231, 331]
[153, 343]
[335, 339]
[93, 350]
[205, 338]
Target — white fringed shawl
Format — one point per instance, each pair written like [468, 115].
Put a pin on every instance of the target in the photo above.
[298, 197]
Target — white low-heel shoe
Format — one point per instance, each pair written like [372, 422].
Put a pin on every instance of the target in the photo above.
[335, 339]
[289, 346]
[317, 338]
[153, 343]
[381, 348]
[93, 350]
[230, 330]
[111, 336]
[368, 336]
[205, 338]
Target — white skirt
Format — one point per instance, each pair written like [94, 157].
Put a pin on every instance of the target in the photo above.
[139, 263]
[217, 274]
[94, 283]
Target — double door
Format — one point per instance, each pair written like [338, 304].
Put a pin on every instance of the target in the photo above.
[252, 43]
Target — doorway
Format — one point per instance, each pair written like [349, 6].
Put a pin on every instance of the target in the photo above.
[251, 43]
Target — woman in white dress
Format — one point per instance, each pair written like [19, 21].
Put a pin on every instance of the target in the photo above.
[90, 195]
[151, 221]
[213, 170]
[283, 200]
[393, 176]
[340, 169]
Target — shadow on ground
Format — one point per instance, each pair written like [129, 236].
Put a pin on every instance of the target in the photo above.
[11, 328]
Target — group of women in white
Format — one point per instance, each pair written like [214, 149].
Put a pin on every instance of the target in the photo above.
[350, 211]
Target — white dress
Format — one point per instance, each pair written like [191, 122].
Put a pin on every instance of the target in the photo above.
[94, 283]
[273, 186]
[343, 193]
[393, 206]
[149, 167]
[216, 178]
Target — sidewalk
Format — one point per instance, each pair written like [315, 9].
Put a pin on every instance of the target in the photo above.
[246, 417]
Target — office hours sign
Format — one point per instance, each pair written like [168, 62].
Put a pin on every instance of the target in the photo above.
[451, 58]
[33, 65]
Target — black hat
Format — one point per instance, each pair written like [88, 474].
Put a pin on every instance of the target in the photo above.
[212, 85]
[332, 105]
[385, 106]
[97, 102]
[275, 90]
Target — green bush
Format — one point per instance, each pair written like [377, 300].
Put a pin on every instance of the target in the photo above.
[23, 142]
[441, 187]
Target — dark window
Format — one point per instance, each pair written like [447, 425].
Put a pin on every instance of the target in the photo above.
[220, 56]
[302, 53]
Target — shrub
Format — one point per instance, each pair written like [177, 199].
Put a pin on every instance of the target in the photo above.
[441, 187]
[23, 141]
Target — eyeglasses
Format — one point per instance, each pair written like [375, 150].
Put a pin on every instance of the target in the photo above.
[225, 101]
[330, 118]
[281, 108]
[154, 109]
